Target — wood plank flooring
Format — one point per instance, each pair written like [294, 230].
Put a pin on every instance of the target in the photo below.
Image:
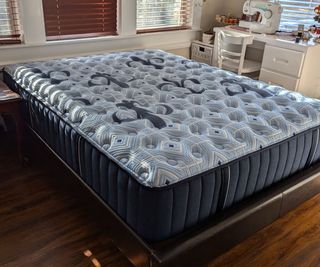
[43, 222]
[291, 241]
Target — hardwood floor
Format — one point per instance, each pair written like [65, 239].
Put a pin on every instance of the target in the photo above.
[43, 222]
[292, 241]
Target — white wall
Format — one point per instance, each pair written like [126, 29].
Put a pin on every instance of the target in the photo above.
[213, 7]
[209, 10]
[169, 41]
[184, 52]
[233, 6]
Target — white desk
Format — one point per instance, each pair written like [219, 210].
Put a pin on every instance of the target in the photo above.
[286, 63]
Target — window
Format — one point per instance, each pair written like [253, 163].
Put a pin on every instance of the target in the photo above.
[9, 22]
[159, 15]
[68, 19]
[297, 12]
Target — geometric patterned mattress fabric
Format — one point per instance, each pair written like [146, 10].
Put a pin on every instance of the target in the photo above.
[164, 118]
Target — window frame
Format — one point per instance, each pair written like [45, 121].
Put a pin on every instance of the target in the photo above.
[36, 47]
[13, 16]
[51, 13]
[170, 28]
[33, 26]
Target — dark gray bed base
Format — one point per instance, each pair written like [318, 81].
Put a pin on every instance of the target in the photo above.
[208, 241]
[157, 214]
[212, 238]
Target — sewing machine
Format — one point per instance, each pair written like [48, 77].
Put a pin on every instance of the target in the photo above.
[268, 16]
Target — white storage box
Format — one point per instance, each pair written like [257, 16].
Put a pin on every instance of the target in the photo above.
[202, 52]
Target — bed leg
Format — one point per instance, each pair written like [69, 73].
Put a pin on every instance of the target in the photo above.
[151, 262]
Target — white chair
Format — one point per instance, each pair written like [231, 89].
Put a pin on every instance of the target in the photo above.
[232, 47]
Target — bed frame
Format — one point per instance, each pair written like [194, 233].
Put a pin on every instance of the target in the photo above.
[207, 241]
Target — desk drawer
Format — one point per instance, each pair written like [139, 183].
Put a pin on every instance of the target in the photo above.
[283, 60]
[285, 81]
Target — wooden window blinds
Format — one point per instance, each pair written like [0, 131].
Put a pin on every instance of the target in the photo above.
[71, 19]
[9, 22]
[161, 15]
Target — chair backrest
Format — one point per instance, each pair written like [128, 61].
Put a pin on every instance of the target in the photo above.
[232, 47]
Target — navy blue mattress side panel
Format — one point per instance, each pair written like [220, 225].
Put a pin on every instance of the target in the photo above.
[160, 213]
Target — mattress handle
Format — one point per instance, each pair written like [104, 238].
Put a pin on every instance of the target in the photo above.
[79, 157]
[225, 178]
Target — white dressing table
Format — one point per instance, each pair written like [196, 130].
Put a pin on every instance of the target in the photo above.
[295, 66]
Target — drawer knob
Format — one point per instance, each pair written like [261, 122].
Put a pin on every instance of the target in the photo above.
[280, 60]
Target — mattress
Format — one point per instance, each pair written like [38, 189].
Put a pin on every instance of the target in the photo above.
[165, 141]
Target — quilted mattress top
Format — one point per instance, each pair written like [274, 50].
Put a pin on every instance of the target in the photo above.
[164, 118]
